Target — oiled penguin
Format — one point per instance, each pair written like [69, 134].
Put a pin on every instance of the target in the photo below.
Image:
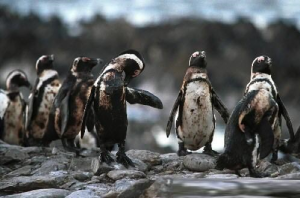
[249, 133]
[68, 107]
[12, 108]
[261, 78]
[108, 100]
[41, 99]
[253, 130]
[195, 103]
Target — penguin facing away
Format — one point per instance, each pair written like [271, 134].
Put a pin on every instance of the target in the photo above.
[249, 133]
[12, 108]
[195, 103]
[108, 101]
[261, 78]
[66, 114]
[253, 130]
[40, 100]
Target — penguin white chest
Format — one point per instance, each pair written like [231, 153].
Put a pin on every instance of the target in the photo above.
[197, 116]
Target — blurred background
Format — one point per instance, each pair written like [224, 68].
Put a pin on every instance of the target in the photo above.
[166, 32]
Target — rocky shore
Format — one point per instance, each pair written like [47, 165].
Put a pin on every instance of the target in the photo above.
[52, 172]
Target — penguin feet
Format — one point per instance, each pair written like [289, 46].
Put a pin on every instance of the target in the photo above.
[105, 157]
[122, 158]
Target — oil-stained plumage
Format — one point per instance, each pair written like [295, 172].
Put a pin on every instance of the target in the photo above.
[108, 101]
[249, 132]
[12, 108]
[66, 114]
[41, 99]
[261, 79]
[194, 105]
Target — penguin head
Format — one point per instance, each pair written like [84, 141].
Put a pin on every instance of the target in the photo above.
[85, 64]
[134, 64]
[17, 78]
[262, 64]
[198, 59]
[45, 62]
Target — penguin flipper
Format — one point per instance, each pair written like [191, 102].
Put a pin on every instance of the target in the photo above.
[219, 106]
[265, 132]
[172, 113]
[31, 101]
[64, 113]
[87, 109]
[4, 103]
[284, 112]
[143, 97]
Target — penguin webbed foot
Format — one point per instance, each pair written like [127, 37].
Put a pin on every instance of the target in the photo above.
[105, 157]
[182, 151]
[122, 158]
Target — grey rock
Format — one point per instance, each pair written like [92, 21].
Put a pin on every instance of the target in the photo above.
[81, 164]
[36, 160]
[290, 176]
[100, 188]
[4, 170]
[13, 154]
[36, 150]
[222, 176]
[170, 157]
[147, 157]
[82, 176]
[199, 162]
[131, 188]
[42, 193]
[25, 183]
[52, 164]
[289, 168]
[230, 187]
[120, 174]
[98, 168]
[24, 171]
[82, 194]
[267, 167]
[138, 165]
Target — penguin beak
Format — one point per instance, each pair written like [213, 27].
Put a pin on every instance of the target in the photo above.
[51, 58]
[203, 54]
[27, 84]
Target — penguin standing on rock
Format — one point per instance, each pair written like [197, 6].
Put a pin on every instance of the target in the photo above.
[253, 130]
[68, 107]
[195, 119]
[12, 108]
[40, 100]
[108, 100]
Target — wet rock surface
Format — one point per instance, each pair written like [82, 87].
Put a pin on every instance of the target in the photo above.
[45, 172]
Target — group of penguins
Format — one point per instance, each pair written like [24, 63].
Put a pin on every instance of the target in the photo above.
[80, 103]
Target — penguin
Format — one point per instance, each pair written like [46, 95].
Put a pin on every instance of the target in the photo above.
[40, 100]
[261, 78]
[194, 108]
[68, 107]
[108, 101]
[255, 122]
[12, 108]
[249, 133]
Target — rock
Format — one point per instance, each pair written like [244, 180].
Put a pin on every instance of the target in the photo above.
[100, 188]
[82, 176]
[13, 155]
[120, 174]
[36, 150]
[131, 188]
[98, 168]
[42, 193]
[222, 176]
[147, 157]
[83, 194]
[24, 171]
[229, 187]
[170, 157]
[199, 162]
[138, 165]
[26, 183]
[289, 168]
[290, 176]
[81, 164]
[35, 160]
[4, 170]
[58, 163]
[267, 167]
